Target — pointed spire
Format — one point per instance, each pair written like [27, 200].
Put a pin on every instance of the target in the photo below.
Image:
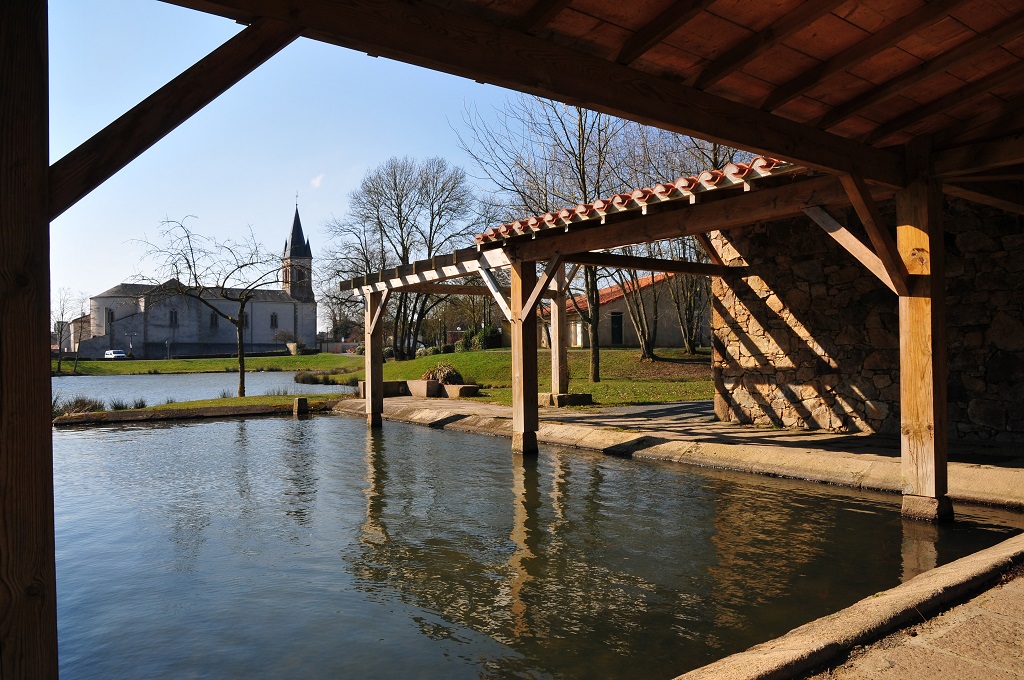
[297, 245]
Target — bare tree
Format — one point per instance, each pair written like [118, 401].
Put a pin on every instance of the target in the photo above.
[403, 210]
[62, 309]
[210, 271]
[541, 156]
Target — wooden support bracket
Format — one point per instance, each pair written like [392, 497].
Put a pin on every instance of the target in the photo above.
[492, 285]
[851, 244]
[378, 315]
[549, 272]
[881, 239]
[711, 250]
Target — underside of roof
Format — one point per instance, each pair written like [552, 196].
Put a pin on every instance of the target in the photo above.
[830, 84]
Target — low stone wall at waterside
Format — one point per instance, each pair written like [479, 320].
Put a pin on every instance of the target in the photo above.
[809, 338]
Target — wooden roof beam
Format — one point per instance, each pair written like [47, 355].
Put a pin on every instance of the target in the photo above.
[1009, 117]
[749, 49]
[867, 48]
[978, 88]
[979, 44]
[541, 14]
[101, 156]
[659, 28]
[650, 264]
[1006, 196]
[434, 37]
[981, 157]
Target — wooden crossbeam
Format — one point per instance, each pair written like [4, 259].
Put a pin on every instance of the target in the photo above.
[851, 244]
[710, 249]
[881, 239]
[649, 264]
[981, 157]
[541, 14]
[867, 48]
[461, 289]
[554, 264]
[433, 36]
[113, 147]
[978, 88]
[659, 28]
[742, 210]
[983, 42]
[749, 48]
[1008, 197]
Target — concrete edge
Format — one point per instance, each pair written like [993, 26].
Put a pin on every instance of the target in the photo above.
[819, 642]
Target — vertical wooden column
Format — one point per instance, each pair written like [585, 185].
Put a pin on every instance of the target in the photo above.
[559, 337]
[28, 607]
[923, 370]
[373, 386]
[524, 359]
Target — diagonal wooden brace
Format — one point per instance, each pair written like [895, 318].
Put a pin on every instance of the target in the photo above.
[549, 273]
[881, 239]
[492, 285]
[852, 245]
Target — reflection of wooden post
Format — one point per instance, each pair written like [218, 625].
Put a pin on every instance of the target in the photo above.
[559, 333]
[28, 609]
[524, 360]
[374, 356]
[923, 351]
[918, 548]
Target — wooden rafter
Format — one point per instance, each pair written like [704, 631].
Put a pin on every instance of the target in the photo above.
[738, 211]
[541, 14]
[980, 43]
[971, 158]
[428, 35]
[865, 49]
[1005, 196]
[851, 244]
[750, 48]
[650, 264]
[966, 93]
[457, 289]
[993, 123]
[659, 28]
[881, 239]
[459, 263]
[113, 147]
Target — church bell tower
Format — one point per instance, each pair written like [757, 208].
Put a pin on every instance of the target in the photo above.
[297, 264]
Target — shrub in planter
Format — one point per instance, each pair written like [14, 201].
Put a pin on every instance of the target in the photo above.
[444, 373]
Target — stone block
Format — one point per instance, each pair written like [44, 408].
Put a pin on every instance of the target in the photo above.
[392, 388]
[459, 391]
[987, 412]
[561, 400]
[424, 388]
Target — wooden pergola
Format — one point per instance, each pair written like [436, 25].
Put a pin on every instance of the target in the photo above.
[904, 98]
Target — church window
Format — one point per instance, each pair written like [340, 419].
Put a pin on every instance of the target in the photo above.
[214, 320]
[300, 274]
[110, 319]
[273, 320]
[174, 317]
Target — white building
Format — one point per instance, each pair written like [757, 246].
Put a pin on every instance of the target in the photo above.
[153, 323]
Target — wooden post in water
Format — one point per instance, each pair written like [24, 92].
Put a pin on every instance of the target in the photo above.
[524, 359]
[28, 593]
[374, 356]
[923, 370]
[559, 336]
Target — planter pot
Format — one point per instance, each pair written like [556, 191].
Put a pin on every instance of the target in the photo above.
[424, 388]
[456, 391]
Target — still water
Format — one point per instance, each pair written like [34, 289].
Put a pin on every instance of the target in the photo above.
[315, 549]
[158, 389]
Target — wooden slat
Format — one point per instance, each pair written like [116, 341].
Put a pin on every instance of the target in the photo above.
[665, 24]
[867, 48]
[28, 589]
[874, 225]
[650, 264]
[742, 210]
[851, 244]
[437, 38]
[1009, 198]
[970, 158]
[966, 93]
[541, 14]
[113, 147]
[981, 43]
[441, 268]
[749, 49]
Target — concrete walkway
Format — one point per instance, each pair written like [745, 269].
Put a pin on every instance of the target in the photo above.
[983, 638]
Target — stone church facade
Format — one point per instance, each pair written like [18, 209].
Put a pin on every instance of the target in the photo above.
[153, 323]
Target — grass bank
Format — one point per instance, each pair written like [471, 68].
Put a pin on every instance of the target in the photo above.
[309, 362]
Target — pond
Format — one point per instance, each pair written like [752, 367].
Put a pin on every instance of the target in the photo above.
[315, 548]
[158, 389]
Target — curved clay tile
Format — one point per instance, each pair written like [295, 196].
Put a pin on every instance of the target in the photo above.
[710, 178]
[735, 172]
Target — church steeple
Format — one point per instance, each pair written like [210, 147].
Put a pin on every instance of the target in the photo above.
[297, 264]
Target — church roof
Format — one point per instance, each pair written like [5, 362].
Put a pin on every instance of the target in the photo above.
[297, 244]
[126, 290]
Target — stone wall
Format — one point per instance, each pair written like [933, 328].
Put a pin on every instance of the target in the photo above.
[810, 339]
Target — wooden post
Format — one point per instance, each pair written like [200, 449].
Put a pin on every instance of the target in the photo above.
[559, 337]
[28, 607]
[374, 356]
[524, 359]
[923, 370]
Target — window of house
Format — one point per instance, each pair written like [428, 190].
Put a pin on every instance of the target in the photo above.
[174, 317]
[214, 320]
[110, 319]
[273, 320]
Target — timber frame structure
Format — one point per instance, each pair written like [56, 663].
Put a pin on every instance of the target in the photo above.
[906, 98]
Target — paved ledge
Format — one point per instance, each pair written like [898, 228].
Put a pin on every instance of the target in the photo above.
[817, 643]
[821, 457]
[146, 415]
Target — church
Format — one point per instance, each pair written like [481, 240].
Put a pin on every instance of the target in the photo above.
[149, 323]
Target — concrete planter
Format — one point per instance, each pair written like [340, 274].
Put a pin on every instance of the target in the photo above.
[392, 388]
[424, 388]
[457, 391]
[562, 400]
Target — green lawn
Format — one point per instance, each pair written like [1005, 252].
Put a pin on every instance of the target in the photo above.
[271, 400]
[311, 362]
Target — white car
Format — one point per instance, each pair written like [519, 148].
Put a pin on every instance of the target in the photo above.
[115, 354]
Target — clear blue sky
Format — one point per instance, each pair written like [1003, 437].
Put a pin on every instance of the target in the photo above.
[313, 119]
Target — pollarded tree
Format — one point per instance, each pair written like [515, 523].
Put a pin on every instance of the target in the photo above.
[404, 210]
[211, 271]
